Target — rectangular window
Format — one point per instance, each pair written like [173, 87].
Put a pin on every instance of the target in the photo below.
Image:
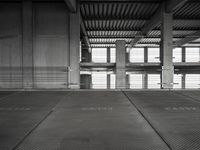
[99, 80]
[99, 55]
[136, 55]
[192, 54]
[135, 81]
[177, 55]
[112, 81]
[177, 81]
[154, 81]
[112, 55]
[192, 81]
[153, 55]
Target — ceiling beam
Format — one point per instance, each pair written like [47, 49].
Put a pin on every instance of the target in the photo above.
[188, 39]
[135, 41]
[125, 38]
[133, 18]
[130, 30]
[121, 1]
[71, 4]
[170, 5]
[174, 4]
[104, 43]
[85, 37]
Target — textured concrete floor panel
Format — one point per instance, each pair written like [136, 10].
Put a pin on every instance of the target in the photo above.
[100, 120]
[94, 121]
[21, 112]
[174, 116]
[4, 94]
[195, 95]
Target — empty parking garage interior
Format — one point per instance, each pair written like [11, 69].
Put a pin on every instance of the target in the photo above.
[99, 74]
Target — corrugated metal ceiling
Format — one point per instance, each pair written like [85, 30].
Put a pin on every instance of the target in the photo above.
[105, 20]
[134, 10]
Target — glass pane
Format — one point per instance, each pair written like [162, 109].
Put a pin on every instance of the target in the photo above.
[153, 55]
[112, 81]
[153, 81]
[113, 55]
[135, 81]
[177, 81]
[99, 55]
[192, 81]
[99, 80]
[177, 55]
[136, 55]
[192, 54]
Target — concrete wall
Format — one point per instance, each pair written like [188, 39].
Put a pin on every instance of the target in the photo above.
[10, 45]
[50, 45]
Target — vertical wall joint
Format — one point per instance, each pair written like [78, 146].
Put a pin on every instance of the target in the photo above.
[27, 44]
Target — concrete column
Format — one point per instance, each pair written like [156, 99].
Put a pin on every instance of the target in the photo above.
[183, 81]
[166, 49]
[145, 55]
[127, 57]
[74, 74]
[128, 81]
[183, 54]
[145, 81]
[86, 55]
[27, 45]
[108, 81]
[108, 55]
[86, 81]
[120, 64]
[161, 53]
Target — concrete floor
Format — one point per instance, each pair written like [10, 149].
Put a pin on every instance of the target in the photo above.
[100, 120]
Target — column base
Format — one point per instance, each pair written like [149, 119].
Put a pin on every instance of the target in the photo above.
[167, 77]
[74, 86]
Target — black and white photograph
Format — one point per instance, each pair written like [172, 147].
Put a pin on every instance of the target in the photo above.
[99, 74]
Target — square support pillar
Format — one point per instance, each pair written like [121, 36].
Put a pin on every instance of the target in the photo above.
[145, 55]
[183, 81]
[166, 50]
[127, 56]
[74, 72]
[27, 44]
[183, 54]
[108, 81]
[86, 81]
[127, 81]
[108, 55]
[120, 64]
[145, 80]
[86, 55]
